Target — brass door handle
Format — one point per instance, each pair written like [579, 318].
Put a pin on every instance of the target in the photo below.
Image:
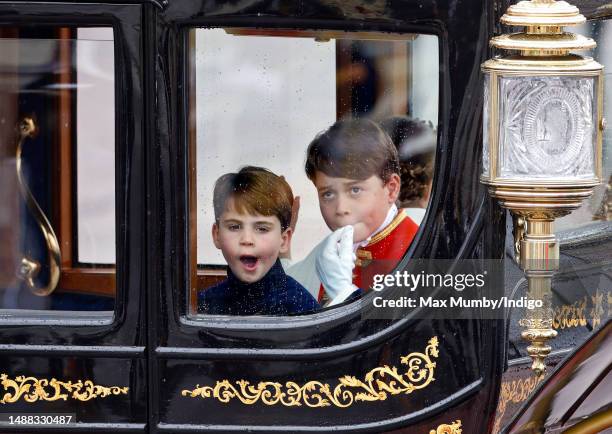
[29, 268]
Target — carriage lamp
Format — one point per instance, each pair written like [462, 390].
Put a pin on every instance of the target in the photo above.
[542, 133]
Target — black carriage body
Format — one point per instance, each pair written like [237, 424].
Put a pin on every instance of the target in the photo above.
[106, 353]
[151, 346]
[330, 345]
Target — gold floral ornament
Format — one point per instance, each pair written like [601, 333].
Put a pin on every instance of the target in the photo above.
[32, 389]
[377, 385]
[515, 391]
[453, 428]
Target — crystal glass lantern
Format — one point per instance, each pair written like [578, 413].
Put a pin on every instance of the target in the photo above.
[543, 105]
[542, 134]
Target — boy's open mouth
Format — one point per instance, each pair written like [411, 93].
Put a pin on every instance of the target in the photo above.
[249, 262]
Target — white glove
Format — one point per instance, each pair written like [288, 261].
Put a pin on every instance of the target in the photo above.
[335, 263]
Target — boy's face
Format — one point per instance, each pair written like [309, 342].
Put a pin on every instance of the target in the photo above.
[362, 204]
[250, 243]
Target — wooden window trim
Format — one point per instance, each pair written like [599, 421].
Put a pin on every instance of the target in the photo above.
[73, 278]
[8, 178]
[92, 281]
[194, 281]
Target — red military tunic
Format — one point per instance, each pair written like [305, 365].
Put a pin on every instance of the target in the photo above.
[383, 252]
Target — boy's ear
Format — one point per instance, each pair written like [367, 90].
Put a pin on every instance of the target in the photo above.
[215, 235]
[285, 246]
[393, 186]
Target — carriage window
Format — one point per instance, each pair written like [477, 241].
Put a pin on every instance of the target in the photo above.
[257, 100]
[57, 159]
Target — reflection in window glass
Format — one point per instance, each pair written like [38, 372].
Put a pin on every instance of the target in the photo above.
[598, 207]
[258, 103]
[57, 184]
[364, 102]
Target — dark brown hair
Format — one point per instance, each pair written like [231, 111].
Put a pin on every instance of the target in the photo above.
[354, 149]
[255, 190]
[415, 140]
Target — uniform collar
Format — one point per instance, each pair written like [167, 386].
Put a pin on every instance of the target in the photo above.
[388, 219]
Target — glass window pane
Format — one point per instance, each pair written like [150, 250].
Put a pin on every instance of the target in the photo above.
[95, 146]
[282, 98]
[57, 182]
[258, 98]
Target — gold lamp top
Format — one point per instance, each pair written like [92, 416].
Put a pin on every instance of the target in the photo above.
[543, 36]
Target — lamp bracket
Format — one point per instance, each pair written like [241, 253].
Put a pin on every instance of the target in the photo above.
[519, 226]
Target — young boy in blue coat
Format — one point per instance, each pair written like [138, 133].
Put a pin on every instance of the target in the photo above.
[252, 217]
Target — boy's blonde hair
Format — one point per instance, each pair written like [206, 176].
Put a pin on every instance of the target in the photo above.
[255, 190]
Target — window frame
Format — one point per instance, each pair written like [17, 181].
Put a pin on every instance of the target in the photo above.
[207, 275]
[75, 276]
[23, 327]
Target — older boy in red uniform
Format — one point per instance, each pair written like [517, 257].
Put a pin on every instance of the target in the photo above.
[355, 169]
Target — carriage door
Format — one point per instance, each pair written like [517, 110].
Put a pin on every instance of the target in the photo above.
[72, 352]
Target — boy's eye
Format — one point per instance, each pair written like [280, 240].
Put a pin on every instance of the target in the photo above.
[326, 195]
[262, 229]
[233, 227]
[356, 190]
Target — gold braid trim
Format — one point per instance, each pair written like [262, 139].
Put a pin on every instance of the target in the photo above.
[401, 215]
[32, 389]
[377, 385]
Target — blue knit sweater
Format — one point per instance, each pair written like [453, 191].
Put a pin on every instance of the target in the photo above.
[275, 294]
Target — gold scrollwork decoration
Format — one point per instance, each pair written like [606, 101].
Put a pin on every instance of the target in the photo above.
[377, 385]
[570, 315]
[588, 308]
[515, 391]
[32, 389]
[597, 311]
[453, 428]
